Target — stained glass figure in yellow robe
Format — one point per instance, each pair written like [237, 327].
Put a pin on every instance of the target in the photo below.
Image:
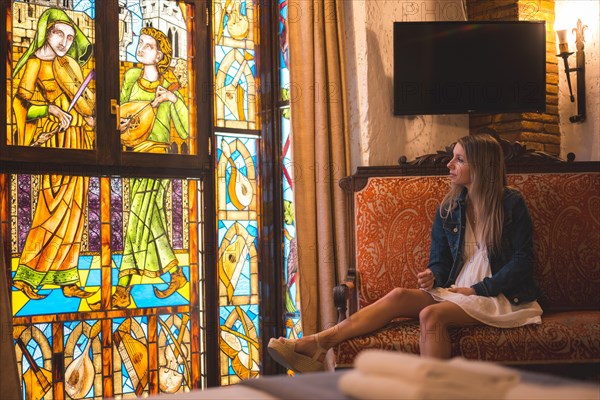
[51, 111]
[149, 105]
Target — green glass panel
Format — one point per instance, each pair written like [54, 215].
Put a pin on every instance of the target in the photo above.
[157, 103]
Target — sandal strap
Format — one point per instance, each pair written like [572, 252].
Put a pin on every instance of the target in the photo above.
[320, 349]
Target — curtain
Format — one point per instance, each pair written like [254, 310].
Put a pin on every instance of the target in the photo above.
[9, 379]
[320, 153]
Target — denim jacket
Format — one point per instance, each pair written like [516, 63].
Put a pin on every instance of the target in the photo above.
[511, 266]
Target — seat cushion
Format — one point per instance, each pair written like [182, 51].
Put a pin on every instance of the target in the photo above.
[563, 337]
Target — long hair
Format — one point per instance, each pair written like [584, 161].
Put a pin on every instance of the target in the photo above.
[164, 46]
[488, 179]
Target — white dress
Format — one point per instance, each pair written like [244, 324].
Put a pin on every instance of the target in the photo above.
[494, 311]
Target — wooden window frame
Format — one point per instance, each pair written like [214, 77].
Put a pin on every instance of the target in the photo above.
[107, 157]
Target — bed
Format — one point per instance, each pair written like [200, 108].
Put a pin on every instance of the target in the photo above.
[324, 386]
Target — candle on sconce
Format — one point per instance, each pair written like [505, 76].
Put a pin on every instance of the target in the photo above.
[563, 45]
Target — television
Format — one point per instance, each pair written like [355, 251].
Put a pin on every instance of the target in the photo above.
[469, 67]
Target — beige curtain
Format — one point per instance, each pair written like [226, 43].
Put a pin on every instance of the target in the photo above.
[320, 153]
[9, 380]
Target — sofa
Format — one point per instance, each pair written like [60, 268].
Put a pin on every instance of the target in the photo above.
[391, 211]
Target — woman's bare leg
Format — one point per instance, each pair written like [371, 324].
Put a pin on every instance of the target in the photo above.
[399, 302]
[435, 320]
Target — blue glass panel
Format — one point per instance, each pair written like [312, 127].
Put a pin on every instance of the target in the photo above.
[239, 341]
[235, 74]
[83, 359]
[130, 339]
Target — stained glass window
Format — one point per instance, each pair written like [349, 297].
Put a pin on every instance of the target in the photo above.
[51, 80]
[156, 73]
[106, 270]
[237, 258]
[234, 36]
[110, 264]
[292, 295]
[107, 275]
[235, 53]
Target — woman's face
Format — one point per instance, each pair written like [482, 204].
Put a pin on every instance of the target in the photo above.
[460, 173]
[60, 38]
[147, 51]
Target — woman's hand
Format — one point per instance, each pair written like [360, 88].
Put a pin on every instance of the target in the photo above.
[64, 118]
[91, 121]
[467, 291]
[425, 279]
[162, 95]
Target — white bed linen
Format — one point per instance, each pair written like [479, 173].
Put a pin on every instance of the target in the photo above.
[531, 387]
[522, 391]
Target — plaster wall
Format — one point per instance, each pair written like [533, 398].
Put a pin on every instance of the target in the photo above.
[377, 136]
[582, 138]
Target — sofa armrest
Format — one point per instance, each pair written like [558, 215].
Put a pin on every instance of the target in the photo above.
[345, 296]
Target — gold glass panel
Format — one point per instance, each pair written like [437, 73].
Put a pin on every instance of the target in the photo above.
[51, 79]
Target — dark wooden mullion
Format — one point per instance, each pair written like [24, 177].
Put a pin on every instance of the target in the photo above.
[271, 274]
[209, 209]
[238, 132]
[191, 164]
[108, 139]
[158, 170]
[45, 155]
[101, 314]
[5, 55]
[203, 63]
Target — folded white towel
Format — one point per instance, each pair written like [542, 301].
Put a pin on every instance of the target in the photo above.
[362, 386]
[457, 372]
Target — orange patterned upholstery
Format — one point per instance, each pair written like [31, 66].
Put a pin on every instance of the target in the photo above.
[393, 218]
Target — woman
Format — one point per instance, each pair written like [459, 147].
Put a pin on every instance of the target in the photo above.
[480, 267]
[45, 107]
[148, 251]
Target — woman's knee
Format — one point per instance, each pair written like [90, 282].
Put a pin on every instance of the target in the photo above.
[432, 317]
[396, 295]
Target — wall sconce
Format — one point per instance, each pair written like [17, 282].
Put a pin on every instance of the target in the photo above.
[563, 47]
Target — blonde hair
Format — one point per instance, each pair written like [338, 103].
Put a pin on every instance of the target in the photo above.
[488, 179]
[164, 46]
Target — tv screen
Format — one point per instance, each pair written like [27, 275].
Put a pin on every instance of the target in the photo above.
[469, 67]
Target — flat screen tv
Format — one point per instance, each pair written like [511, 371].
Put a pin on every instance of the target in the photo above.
[469, 67]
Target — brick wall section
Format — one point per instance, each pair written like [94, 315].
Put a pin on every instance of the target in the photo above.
[538, 131]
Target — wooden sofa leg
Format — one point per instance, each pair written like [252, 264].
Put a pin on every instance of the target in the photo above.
[341, 294]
